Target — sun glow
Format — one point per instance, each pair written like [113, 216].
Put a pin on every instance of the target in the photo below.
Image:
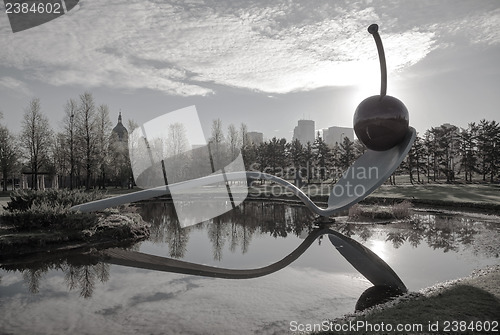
[379, 247]
[367, 82]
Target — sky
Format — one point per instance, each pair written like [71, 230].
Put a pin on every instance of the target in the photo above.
[263, 63]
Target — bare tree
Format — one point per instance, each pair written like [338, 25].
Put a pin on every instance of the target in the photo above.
[36, 138]
[243, 135]
[8, 157]
[132, 125]
[177, 142]
[60, 155]
[70, 110]
[176, 146]
[103, 142]
[233, 140]
[87, 135]
[217, 144]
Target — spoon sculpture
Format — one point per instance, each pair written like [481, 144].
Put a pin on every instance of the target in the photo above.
[380, 122]
[371, 266]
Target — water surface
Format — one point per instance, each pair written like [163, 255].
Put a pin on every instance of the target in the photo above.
[79, 294]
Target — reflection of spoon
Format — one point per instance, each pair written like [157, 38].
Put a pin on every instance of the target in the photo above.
[376, 295]
[363, 259]
[362, 178]
[378, 272]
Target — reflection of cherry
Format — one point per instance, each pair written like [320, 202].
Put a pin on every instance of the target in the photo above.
[381, 121]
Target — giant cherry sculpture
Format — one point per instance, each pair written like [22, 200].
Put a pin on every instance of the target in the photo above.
[381, 121]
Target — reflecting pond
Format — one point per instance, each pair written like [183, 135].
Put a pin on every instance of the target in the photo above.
[85, 294]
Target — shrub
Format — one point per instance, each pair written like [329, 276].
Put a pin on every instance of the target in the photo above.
[22, 200]
[29, 209]
[355, 212]
[402, 210]
[48, 217]
[398, 211]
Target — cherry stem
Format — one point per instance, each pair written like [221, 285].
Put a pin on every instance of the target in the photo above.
[373, 29]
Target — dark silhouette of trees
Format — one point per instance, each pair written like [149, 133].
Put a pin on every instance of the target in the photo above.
[217, 145]
[308, 158]
[85, 152]
[234, 142]
[447, 153]
[87, 135]
[103, 125]
[84, 148]
[488, 144]
[60, 159]
[346, 153]
[432, 161]
[69, 132]
[468, 158]
[8, 156]
[276, 155]
[323, 157]
[36, 139]
[447, 148]
[297, 160]
[415, 163]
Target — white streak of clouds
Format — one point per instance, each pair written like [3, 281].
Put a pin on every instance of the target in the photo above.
[181, 48]
[14, 85]
[483, 28]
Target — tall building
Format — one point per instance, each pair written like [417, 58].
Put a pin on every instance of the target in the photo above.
[304, 131]
[121, 176]
[255, 137]
[120, 130]
[334, 135]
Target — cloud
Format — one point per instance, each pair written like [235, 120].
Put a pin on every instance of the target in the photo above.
[483, 28]
[14, 85]
[182, 48]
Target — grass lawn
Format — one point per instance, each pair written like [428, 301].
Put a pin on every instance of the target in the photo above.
[476, 193]
[437, 194]
[473, 300]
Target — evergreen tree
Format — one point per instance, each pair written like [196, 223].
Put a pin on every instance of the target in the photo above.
[323, 157]
[308, 154]
[468, 151]
[488, 142]
[346, 153]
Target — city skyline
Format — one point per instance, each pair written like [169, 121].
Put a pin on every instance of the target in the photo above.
[256, 136]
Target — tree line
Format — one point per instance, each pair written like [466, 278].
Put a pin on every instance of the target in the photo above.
[443, 154]
[450, 153]
[78, 155]
[85, 152]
